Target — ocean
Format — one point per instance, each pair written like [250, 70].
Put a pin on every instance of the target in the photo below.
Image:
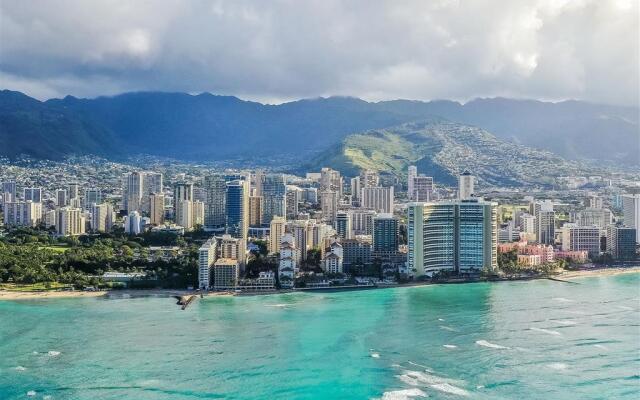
[529, 340]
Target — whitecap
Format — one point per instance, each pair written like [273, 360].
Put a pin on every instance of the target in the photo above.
[31, 393]
[440, 319]
[405, 394]
[53, 353]
[548, 331]
[375, 355]
[558, 366]
[447, 388]
[567, 322]
[447, 328]
[480, 387]
[34, 352]
[395, 365]
[47, 397]
[20, 368]
[450, 346]
[276, 305]
[490, 345]
[600, 346]
[625, 308]
[562, 300]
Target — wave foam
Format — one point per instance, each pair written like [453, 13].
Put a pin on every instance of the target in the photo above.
[567, 322]
[450, 346]
[562, 300]
[53, 353]
[375, 355]
[403, 394]
[447, 328]
[31, 393]
[548, 331]
[484, 343]
[558, 366]
[20, 368]
[447, 388]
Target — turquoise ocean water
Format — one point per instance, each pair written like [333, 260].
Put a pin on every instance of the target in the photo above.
[527, 340]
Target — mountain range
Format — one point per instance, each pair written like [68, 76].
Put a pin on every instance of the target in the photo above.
[209, 127]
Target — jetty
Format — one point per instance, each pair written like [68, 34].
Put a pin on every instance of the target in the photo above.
[184, 301]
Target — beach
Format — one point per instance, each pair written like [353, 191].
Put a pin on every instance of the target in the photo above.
[51, 294]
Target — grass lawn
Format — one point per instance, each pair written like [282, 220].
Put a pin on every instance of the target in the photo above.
[57, 249]
[34, 287]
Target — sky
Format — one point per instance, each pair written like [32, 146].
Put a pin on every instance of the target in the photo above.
[280, 50]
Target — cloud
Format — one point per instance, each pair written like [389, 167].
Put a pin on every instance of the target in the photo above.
[286, 49]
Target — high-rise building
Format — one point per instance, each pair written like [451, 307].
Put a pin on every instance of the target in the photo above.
[621, 242]
[184, 214]
[528, 223]
[197, 209]
[156, 209]
[182, 191]
[101, 217]
[255, 211]
[631, 212]
[595, 201]
[215, 209]
[581, 238]
[132, 193]
[294, 196]
[61, 198]
[343, 225]
[600, 217]
[151, 183]
[356, 254]
[362, 221]
[329, 205]
[206, 258]
[355, 188]
[412, 172]
[330, 180]
[455, 236]
[369, 178]
[92, 196]
[545, 221]
[22, 213]
[237, 209]
[226, 273]
[70, 221]
[276, 230]
[232, 248]
[301, 232]
[73, 191]
[288, 265]
[422, 188]
[9, 191]
[274, 197]
[385, 234]
[33, 194]
[466, 185]
[310, 195]
[379, 199]
[133, 223]
[258, 178]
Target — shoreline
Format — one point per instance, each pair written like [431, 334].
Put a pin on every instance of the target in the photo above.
[133, 293]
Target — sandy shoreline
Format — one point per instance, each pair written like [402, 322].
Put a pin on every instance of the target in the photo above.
[119, 294]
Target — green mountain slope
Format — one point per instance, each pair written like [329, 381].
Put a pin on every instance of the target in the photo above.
[443, 149]
[40, 130]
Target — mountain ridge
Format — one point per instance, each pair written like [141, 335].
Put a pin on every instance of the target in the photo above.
[209, 126]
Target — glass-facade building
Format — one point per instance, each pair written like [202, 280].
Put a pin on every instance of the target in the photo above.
[454, 236]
